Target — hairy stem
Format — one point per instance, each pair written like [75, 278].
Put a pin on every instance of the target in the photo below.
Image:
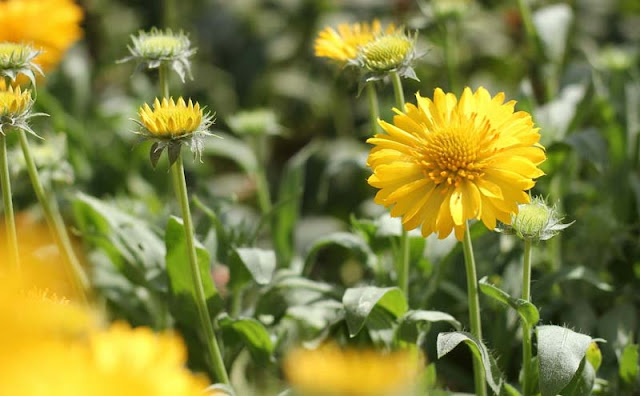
[9, 218]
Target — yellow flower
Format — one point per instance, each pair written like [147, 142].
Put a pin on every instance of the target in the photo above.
[141, 362]
[342, 45]
[50, 25]
[14, 102]
[387, 52]
[172, 120]
[330, 370]
[446, 161]
[172, 124]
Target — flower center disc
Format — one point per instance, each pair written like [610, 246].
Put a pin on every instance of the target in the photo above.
[161, 45]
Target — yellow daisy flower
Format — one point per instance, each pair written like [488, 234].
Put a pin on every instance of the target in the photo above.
[50, 25]
[15, 108]
[446, 161]
[342, 44]
[172, 124]
[330, 370]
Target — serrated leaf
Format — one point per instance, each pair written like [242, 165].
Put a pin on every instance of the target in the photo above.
[251, 263]
[359, 302]
[527, 311]
[253, 334]
[560, 353]
[629, 364]
[448, 341]
[352, 242]
[133, 248]
[183, 291]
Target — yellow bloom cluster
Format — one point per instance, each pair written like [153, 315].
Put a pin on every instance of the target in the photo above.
[445, 161]
[330, 370]
[50, 25]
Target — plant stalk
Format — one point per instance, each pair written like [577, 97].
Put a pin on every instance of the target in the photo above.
[403, 259]
[73, 268]
[374, 108]
[451, 60]
[474, 309]
[526, 330]
[9, 218]
[213, 349]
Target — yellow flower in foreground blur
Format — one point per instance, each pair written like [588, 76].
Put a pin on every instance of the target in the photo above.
[446, 161]
[342, 45]
[330, 370]
[48, 25]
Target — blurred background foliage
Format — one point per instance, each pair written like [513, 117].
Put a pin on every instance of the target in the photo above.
[580, 81]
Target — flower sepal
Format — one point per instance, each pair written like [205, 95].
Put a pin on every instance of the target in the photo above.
[18, 59]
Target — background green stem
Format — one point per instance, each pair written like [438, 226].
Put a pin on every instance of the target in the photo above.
[9, 218]
[474, 309]
[402, 266]
[374, 108]
[451, 60]
[213, 349]
[73, 269]
[526, 331]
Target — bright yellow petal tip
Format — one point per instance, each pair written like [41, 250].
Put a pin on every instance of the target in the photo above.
[14, 102]
[169, 119]
[446, 161]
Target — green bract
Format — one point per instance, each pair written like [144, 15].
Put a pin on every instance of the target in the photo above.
[151, 49]
[18, 59]
[535, 221]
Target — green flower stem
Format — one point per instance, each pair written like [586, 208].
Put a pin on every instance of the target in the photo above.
[526, 330]
[449, 48]
[374, 108]
[262, 184]
[163, 79]
[213, 349]
[474, 309]
[403, 259]
[9, 218]
[73, 269]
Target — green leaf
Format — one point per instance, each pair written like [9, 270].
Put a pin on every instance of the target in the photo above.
[509, 390]
[629, 364]
[572, 274]
[448, 341]
[414, 323]
[359, 302]
[232, 148]
[133, 248]
[527, 311]
[617, 326]
[553, 24]
[289, 198]
[560, 353]
[582, 382]
[183, 292]
[252, 333]
[251, 263]
[346, 240]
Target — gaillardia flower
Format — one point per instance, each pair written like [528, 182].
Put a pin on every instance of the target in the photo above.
[330, 370]
[153, 48]
[48, 25]
[18, 59]
[388, 52]
[536, 221]
[445, 161]
[342, 45]
[15, 109]
[172, 124]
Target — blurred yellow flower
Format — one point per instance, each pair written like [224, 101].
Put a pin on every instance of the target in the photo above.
[330, 370]
[342, 45]
[169, 119]
[50, 25]
[446, 161]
